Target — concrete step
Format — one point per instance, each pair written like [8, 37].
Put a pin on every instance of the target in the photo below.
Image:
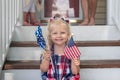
[86, 74]
[32, 64]
[81, 33]
[90, 70]
[78, 43]
[91, 50]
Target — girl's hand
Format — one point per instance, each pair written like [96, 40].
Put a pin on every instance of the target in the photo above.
[75, 66]
[44, 66]
[76, 61]
[46, 55]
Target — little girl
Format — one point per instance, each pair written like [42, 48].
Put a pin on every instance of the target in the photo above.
[54, 65]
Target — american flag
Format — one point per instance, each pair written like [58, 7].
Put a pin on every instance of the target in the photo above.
[71, 50]
[40, 39]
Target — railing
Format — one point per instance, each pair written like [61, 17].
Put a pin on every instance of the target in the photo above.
[9, 14]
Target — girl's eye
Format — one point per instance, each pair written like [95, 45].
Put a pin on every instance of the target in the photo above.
[54, 33]
[62, 32]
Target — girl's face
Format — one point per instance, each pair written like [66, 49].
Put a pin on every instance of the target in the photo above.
[59, 34]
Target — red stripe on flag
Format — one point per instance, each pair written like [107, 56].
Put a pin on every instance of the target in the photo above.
[66, 52]
[71, 52]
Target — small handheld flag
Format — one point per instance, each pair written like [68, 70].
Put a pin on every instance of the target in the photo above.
[71, 50]
[40, 38]
[41, 41]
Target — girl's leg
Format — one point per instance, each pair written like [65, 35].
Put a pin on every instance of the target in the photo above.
[85, 12]
[92, 11]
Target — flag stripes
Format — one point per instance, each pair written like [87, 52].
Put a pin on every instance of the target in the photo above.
[71, 50]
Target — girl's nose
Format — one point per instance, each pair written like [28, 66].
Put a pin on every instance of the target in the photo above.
[58, 35]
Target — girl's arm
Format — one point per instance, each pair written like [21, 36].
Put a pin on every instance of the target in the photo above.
[44, 66]
[75, 66]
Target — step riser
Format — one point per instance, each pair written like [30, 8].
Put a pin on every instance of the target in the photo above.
[86, 74]
[88, 53]
[80, 33]
[21, 53]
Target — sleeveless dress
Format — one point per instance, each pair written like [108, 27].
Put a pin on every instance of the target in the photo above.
[59, 69]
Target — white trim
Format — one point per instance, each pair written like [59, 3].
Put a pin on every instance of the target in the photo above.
[0, 36]
[109, 12]
[113, 13]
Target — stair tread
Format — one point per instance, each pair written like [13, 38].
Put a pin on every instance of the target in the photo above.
[78, 43]
[32, 64]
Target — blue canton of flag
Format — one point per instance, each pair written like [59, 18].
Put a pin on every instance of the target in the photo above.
[71, 50]
[40, 38]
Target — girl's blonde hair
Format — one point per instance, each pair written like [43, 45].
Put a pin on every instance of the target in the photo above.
[56, 21]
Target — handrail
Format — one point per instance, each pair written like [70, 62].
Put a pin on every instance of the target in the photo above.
[8, 18]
